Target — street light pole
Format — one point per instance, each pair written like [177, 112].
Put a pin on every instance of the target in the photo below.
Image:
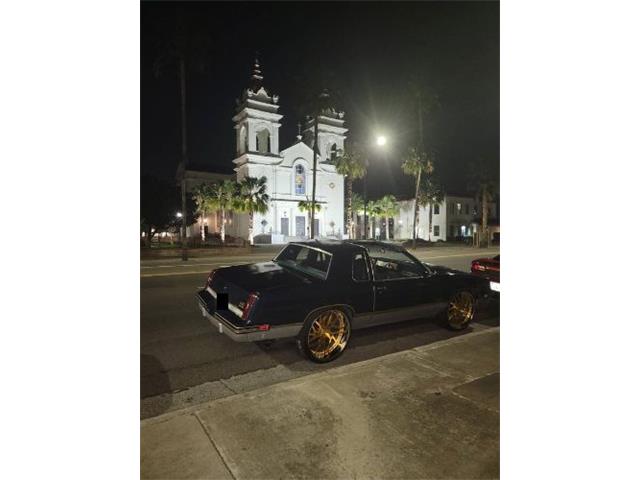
[364, 195]
[183, 183]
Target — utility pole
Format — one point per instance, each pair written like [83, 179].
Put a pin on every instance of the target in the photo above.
[183, 182]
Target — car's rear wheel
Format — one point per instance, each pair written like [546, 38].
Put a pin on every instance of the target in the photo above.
[324, 335]
[460, 310]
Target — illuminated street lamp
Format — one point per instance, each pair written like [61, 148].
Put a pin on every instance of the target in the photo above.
[179, 214]
[381, 141]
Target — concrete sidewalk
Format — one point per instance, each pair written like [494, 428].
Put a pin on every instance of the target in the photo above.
[429, 412]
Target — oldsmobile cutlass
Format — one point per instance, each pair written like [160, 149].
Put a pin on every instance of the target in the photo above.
[319, 292]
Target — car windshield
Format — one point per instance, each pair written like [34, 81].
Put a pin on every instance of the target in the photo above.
[307, 260]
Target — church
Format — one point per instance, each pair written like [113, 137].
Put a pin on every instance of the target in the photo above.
[289, 171]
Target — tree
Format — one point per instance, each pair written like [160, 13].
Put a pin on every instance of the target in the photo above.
[306, 206]
[351, 164]
[483, 180]
[186, 46]
[357, 206]
[388, 207]
[431, 193]
[415, 164]
[374, 210]
[159, 204]
[203, 196]
[427, 101]
[252, 198]
[222, 195]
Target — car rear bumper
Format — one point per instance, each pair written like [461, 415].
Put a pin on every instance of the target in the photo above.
[251, 333]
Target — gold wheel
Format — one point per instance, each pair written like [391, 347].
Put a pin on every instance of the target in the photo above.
[328, 333]
[460, 310]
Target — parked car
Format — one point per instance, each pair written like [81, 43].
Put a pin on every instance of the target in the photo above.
[488, 268]
[319, 292]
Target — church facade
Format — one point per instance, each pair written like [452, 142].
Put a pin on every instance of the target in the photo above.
[289, 171]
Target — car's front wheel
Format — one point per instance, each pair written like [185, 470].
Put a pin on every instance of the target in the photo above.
[460, 310]
[324, 335]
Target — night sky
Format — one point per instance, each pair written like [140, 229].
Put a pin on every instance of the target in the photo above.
[365, 53]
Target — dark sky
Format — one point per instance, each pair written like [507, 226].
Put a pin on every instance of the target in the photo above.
[365, 53]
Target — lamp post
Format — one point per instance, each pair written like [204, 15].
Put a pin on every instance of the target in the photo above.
[381, 141]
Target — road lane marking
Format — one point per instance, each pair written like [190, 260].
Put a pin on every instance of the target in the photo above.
[422, 256]
[476, 254]
[170, 274]
[419, 256]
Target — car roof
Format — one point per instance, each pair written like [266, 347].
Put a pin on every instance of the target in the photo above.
[334, 246]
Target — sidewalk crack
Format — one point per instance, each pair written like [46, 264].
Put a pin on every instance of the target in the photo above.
[214, 445]
[479, 405]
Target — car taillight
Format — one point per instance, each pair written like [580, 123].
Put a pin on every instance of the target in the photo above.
[476, 266]
[251, 300]
[210, 278]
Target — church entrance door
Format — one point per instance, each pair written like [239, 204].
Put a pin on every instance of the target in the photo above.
[284, 226]
[300, 226]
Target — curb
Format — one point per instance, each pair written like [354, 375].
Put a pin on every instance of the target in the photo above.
[163, 417]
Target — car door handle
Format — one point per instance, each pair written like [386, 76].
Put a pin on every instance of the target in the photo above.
[380, 289]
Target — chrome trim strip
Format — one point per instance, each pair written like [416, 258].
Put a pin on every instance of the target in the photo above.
[250, 333]
[233, 308]
[236, 310]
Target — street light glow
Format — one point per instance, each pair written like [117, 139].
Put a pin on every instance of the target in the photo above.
[179, 214]
[381, 140]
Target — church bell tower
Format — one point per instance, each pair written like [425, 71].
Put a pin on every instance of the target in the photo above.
[257, 123]
[331, 131]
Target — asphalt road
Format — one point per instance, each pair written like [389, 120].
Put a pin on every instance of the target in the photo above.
[180, 349]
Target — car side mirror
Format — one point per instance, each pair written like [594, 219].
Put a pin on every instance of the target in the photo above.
[427, 271]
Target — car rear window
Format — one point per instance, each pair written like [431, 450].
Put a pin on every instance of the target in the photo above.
[312, 261]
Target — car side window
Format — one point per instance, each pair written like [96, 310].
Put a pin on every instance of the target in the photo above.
[360, 272]
[388, 264]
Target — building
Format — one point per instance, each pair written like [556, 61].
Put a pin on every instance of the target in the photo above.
[457, 217]
[289, 171]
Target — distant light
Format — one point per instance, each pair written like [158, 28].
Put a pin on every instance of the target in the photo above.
[381, 141]
[179, 214]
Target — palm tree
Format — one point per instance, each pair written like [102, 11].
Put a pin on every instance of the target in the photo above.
[357, 206]
[431, 193]
[252, 198]
[202, 196]
[307, 206]
[389, 208]
[484, 182]
[352, 165]
[416, 164]
[222, 196]
[374, 210]
[187, 46]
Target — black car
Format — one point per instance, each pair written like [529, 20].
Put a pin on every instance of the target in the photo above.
[319, 292]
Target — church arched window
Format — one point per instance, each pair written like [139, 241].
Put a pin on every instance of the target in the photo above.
[300, 180]
[243, 140]
[263, 141]
[333, 152]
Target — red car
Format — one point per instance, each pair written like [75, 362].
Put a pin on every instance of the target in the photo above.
[488, 268]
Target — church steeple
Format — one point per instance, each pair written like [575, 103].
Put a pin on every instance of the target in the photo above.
[256, 76]
[257, 120]
[331, 131]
